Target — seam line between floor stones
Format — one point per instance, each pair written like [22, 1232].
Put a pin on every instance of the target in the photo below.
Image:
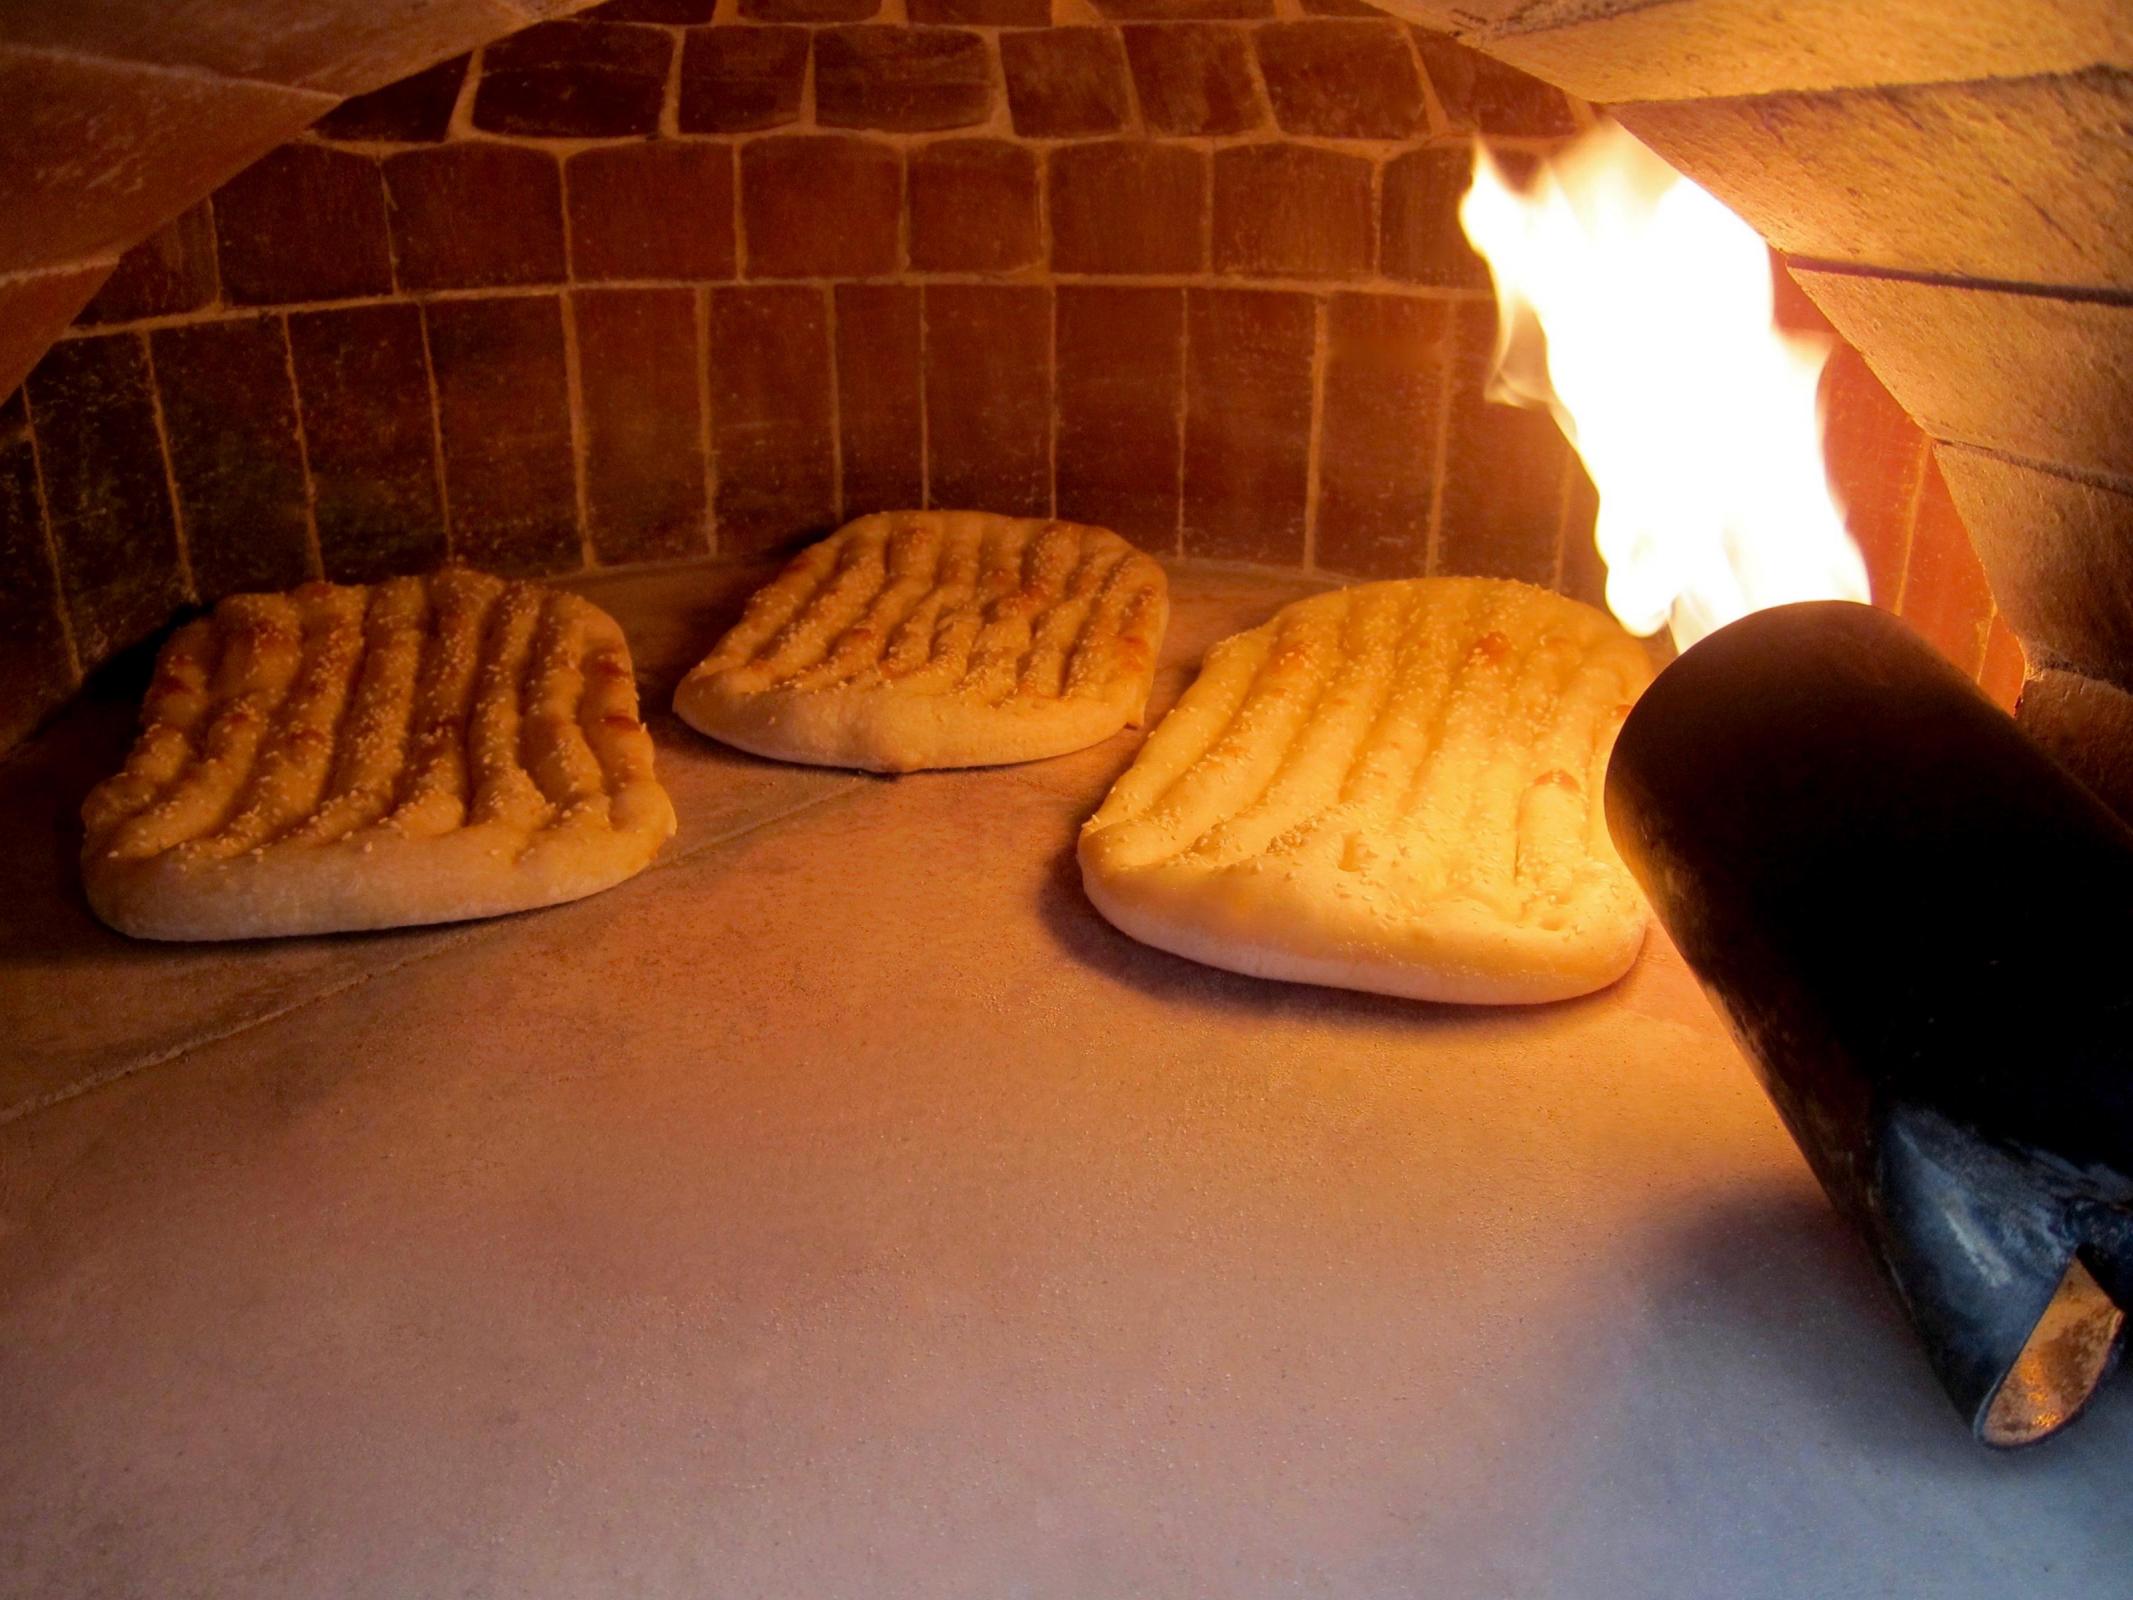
[98, 1080]
[465, 936]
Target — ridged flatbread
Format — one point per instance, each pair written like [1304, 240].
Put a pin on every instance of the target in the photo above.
[1393, 787]
[344, 756]
[919, 639]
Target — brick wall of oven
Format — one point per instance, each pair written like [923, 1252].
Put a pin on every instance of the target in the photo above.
[634, 286]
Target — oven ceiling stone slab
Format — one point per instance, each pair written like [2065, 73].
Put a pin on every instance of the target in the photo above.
[2044, 377]
[1610, 51]
[2026, 181]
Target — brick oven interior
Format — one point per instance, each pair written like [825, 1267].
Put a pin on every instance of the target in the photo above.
[653, 1285]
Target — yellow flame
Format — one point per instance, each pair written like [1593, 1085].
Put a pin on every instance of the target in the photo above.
[1695, 416]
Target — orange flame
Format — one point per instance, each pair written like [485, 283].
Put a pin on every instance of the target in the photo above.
[1695, 416]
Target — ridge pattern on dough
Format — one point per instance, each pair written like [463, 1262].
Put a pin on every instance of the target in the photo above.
[299, 750]
[938, 638]
[1395, 786]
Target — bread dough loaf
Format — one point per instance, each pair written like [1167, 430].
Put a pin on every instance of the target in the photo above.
[1393, 787]
[344, 756]
[917, 639]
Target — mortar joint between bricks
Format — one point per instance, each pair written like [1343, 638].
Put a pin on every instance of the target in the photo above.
[313, 549]
[186, 576]
[700, 303]
[1320, 318]
[429, 372]
[51, 546]
[836, 403]
[580, 440]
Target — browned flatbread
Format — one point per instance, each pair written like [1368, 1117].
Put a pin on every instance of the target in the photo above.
[340, 757]
[917, 639]
[1393, 787]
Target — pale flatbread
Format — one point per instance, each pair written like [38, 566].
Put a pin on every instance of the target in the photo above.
[340, 757]
[917, 639]
[1393, 787]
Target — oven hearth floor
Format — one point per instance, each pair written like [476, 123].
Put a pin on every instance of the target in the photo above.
[842, 1208]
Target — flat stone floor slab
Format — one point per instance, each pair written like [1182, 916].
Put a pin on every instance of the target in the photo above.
[843, 1208]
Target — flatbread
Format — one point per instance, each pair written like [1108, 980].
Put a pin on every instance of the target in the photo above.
[1393, 787]
[919, 639]
[347, 756]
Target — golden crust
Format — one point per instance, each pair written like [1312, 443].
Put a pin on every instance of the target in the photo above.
[1393, 787]
[921, 639]
[341, 757]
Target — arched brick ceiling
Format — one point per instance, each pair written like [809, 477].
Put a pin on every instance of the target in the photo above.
[121, 113]
[1954, 188]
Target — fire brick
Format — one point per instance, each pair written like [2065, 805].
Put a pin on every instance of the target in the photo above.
[1377, 458]
[1420, 239]
[906, 79]
[1504, 468]
[363, 390]
[988, 360]
[1341, 79]
[737, 79]
[171, 270]
[1194, 79]
[1481, 93]
[821, 206]
[1248, 355]
[1876, 457]
[1065, 83]
[304, 222]
[1128, 206]
[106, 501]
[879, 404]
[1292, 211]
[1121, 368]
[230, 417]
[651, 210]
[34, 308]
[644, 459]
[36, 671]
[416, 110]
[1584, 573]
[2005, 669]
[503, 411]
[1945, 595]
[974, 206]
[771, 432]
[476, 215]
[576, 80]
